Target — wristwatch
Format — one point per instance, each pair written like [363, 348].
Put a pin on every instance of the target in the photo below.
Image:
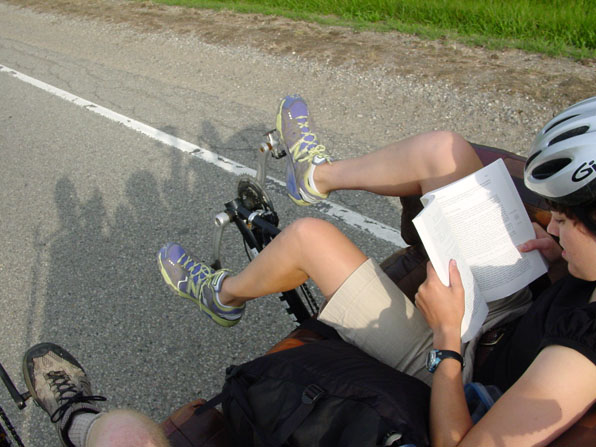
[435, 356]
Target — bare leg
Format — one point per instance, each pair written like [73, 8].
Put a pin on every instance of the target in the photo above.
[412, 166]
[312, 248]
[308, 248]
[125, 428]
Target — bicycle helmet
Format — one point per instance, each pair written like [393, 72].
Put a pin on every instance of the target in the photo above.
[561, 165]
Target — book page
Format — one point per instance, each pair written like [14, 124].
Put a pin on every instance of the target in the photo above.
[488, 221]
[441, 248]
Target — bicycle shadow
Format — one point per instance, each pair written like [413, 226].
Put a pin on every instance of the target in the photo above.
[104, 299]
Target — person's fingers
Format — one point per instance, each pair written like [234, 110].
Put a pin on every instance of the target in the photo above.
[535, 244]
[454, 275]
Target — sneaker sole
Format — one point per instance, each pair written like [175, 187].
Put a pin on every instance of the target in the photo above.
[204, 309]
[299, 202]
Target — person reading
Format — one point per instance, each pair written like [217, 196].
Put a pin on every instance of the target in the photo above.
[540, 398]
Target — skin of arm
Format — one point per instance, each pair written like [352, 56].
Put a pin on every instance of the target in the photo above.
[555, 391]
[443, 309]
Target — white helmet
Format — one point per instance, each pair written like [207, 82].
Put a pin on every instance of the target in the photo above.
[561, 165]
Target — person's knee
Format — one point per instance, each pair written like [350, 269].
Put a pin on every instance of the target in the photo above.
[307, 229]
[447, 144]
[449, 152]
[126, 428]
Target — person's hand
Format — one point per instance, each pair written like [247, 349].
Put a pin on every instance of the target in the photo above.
[544, 243]
[442, 307]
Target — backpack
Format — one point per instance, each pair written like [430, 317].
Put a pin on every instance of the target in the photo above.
[325, 393]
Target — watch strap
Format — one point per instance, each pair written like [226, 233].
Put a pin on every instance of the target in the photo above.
[447, 354]
[435, 356]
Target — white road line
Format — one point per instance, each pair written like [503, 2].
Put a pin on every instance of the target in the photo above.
[352, 218]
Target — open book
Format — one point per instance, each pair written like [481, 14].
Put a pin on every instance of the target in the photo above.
[479, 221]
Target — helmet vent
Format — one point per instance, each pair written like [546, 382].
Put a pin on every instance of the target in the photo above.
[551, 167]
[569, 134]
[532, 157]
[559, 122]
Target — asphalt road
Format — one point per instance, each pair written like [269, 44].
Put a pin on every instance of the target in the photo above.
[86, 202]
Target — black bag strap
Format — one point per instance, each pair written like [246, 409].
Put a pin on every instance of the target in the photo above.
[219, 398]
[312, 393]
[237, 390]
[211, 403]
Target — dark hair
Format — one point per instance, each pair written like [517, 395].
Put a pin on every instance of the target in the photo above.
[584, 213]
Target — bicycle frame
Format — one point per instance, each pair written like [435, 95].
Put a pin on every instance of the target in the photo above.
[253, 214]
[19, 399]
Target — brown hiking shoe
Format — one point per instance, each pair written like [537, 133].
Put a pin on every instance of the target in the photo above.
[59, 385]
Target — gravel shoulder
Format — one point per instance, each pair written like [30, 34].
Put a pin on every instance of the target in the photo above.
[402, 84]
[553, 81]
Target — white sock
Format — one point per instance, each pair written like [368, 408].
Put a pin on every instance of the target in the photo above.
[217, 289]
[225, 306]
[81, 426]
[311, 180]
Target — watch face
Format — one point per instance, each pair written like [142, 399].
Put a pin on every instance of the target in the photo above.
[431, 360]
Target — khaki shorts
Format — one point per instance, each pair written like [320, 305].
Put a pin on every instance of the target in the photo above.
[370, 311]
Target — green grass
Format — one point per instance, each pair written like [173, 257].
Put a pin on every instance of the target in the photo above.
[554, 27]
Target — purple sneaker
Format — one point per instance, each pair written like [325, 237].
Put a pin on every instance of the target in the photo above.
[197, 282]
[297, 133]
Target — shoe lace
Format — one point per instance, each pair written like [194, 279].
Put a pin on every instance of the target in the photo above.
[68, 394]
[306, 150]
[189, 263]
[205, 275]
